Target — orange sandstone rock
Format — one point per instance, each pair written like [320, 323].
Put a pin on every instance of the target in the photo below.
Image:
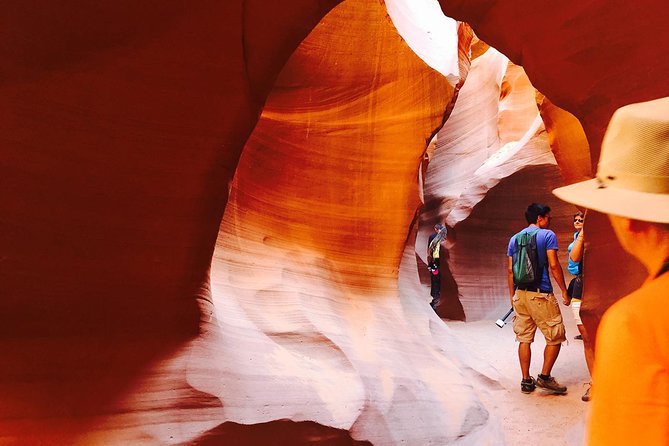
[122, 127]
[307, 319]
[122, 124]
[589, 64]
[477, 183]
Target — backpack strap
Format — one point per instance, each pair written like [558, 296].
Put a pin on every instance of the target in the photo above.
[540, 267]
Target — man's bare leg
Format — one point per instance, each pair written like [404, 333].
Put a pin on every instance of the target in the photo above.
[525, 356]
[589, 356]
[587, 348]
[550, 356]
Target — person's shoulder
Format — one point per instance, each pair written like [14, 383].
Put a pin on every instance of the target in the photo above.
[513, 237]
[547, 239]
[618, 323]
[653, 293]
[643, 306]
[621, 310]
[512, 242]
[548, 234]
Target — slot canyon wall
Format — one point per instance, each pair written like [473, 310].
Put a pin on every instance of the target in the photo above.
[580, 56]
[307, 317]
[493, 145]
[213, 215]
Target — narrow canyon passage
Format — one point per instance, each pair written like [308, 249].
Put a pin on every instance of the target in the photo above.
[214, 215]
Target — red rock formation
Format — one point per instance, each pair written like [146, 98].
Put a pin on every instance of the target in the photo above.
[567, 140]
[582, 57]
[308, 322]
[492, 142]
[121, 125]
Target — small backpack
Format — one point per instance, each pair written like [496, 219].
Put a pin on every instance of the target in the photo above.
[525, 259]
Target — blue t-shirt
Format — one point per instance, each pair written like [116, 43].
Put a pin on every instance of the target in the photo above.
[546, 239]
[572, 267]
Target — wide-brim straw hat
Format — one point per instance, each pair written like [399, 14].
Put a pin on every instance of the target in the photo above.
[633, 173]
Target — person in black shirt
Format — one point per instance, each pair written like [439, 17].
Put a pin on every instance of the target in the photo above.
[433, 263]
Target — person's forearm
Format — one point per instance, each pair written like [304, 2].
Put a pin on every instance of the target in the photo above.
[511, 287]
[558, 275]
[576, 253]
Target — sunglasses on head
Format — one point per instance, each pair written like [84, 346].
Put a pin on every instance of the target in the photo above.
[578, 220]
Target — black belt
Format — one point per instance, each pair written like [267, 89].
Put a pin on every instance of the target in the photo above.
[534, 289]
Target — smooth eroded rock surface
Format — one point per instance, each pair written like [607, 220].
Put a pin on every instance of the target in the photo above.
[582, 57]
[307, 318]
[132, 150]
[494, 136]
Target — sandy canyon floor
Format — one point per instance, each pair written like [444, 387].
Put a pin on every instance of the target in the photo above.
[539, 417]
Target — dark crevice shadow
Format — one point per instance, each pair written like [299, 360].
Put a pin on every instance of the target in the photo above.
[449, 306]
[276, 433]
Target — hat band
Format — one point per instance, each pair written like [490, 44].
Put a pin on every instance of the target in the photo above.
[637, 183]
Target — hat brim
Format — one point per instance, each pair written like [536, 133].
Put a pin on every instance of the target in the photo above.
[616, 201]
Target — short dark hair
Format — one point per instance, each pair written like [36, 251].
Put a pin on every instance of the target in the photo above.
[534, 211]
[579, 214]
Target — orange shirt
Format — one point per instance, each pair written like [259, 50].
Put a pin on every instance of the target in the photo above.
[630, 391]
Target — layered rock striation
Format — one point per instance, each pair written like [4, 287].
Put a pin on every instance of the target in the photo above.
[308, 321]
[580, 57]
[211, 225]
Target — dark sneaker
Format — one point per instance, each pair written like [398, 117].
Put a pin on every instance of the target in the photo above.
[552, 385]
[528, 385]
[586, 395]
[578, 337]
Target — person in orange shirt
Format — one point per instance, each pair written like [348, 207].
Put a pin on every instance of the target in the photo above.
[630, 393]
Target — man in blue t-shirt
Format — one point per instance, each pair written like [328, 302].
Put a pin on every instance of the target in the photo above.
[536, 306]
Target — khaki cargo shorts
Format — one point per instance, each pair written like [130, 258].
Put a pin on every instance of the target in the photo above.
[537, 310]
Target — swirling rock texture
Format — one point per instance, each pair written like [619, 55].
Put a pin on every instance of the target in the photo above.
[308, 322]
[492, 148]
[123, 125]
[580, 56]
